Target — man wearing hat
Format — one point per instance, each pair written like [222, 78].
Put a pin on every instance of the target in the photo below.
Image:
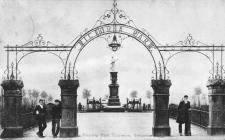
[40, 112]
[56, 116]
[183, 116]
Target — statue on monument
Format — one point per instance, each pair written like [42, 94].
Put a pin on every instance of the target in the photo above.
[113, 63]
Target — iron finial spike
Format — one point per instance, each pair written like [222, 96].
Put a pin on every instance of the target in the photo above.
[114, 4]
[68, 77]
[12, 74]
[160, 71]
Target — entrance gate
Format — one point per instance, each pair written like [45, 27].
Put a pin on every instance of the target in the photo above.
[114, 26]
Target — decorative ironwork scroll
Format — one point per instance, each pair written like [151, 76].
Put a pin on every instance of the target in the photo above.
[193, 46]
[38, 45]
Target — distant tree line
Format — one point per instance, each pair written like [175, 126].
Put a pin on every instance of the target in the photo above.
[199, 99]
[30, 99]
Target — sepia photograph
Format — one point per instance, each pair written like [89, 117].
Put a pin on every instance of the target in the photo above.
[112, 69]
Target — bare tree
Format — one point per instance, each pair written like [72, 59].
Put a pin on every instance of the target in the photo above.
[35, 94]
[133, 94]
[149, 95]
[198, 92]
[50, 98]
[44, 95]
[204, 99]
[26, 103]
[24, 92]
[193, 100]
[86, 93]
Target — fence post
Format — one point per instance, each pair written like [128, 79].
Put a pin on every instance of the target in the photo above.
[189, 123]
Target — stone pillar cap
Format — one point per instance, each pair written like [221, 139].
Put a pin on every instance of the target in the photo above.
[12, 84]
[65, 83]
[216, 82]
[161, 82]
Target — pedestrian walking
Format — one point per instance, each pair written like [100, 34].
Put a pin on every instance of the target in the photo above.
[40, 113]
[56, 116]
[79, 106]
[183, 116]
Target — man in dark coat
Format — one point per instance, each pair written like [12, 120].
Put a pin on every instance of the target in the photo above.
[56, 116]
[183, 115]
[79, 107]
[40, 113]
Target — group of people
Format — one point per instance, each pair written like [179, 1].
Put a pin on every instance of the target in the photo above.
[146, 107]
[80, 107]
[40, 113]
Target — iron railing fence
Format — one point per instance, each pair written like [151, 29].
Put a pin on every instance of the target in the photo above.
[199, 116]
[27, 120]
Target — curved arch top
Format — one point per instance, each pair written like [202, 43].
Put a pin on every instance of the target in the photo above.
[180, 52]
[105, 29]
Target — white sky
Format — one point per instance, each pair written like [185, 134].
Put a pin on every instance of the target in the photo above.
[61, 21]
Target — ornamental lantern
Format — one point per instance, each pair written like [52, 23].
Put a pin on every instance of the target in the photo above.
[114, 45]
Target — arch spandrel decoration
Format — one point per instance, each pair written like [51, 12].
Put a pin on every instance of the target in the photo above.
[115, 22]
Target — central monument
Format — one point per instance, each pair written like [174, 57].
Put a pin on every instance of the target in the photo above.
[113, 87]
[113, 91]
[114, 104]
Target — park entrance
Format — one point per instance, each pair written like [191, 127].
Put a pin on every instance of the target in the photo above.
[114, 26]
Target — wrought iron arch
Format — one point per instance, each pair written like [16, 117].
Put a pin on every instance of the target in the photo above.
[61, 59]
[52, 53]
[123, 29]
[177, 53]
[115, 22]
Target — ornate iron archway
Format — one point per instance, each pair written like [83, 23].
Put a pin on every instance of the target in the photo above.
[115, 24]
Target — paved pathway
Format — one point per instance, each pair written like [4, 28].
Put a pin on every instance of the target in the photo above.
[124, 126]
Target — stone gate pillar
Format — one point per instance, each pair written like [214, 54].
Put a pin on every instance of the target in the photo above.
[69, 108]
[12, 128]
[216, 107]
[161, 101]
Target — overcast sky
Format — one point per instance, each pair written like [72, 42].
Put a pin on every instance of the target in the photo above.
[61, 21]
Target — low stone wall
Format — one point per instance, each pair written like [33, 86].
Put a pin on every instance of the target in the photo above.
[198, 116]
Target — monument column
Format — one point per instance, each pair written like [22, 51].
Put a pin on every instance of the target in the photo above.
[216, 107]
[113, 90]
[69, 108]
[12, 128]
[161, 101]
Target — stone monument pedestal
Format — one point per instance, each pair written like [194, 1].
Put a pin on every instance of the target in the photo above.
[161, 101]
[216, 107]
[69, 108]
[113, 91]
[12, 128]
[114, 104]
